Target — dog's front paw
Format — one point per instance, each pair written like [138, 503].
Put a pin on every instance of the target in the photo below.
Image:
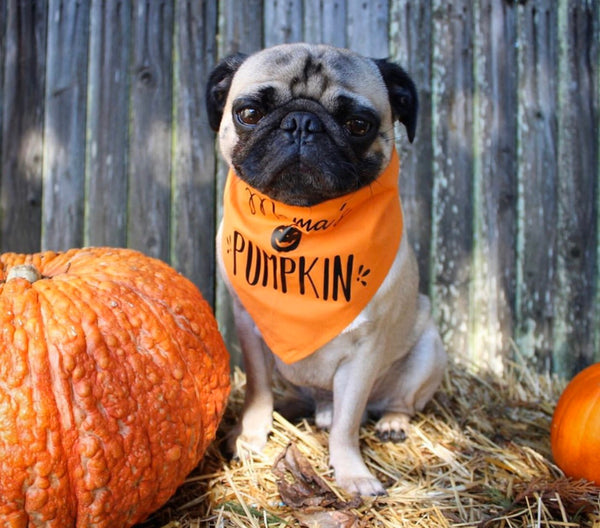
[393, 427]
[351, 473]
[239, 443]
[360, 485]
[250, 435]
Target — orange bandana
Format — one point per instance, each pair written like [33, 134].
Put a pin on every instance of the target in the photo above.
[305, 273]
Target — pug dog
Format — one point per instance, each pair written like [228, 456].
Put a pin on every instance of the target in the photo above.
[308, 133]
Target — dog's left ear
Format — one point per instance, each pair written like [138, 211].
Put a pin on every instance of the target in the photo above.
[402, 93]
[218, 86]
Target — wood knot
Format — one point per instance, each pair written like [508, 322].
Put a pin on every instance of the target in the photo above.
[145, 77]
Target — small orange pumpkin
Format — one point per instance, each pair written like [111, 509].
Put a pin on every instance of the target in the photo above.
[575, 429]
[113, 379]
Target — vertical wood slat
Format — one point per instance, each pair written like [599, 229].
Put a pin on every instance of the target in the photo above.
[595, 60]
[149, 207]
[577, 187]
[410, 41]
[193, 208]
[495, 185]
[452, 122]
[4, 66]
[237, 37]
[21, 123]
[236, 34]
[367, 28]
[3, 31]
[64, 125]
[282, 22]
[537, 179]
[325, 22]
[108, 123]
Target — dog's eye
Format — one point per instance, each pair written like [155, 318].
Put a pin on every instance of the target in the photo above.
[357, 126]
[249, 115]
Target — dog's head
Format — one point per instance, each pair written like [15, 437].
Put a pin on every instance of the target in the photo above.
[306, 123]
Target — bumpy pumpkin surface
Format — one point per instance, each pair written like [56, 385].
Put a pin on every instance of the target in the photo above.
[575, 429]
[113, 379]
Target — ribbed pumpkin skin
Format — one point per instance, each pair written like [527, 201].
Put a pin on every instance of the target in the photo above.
[113, 380]
[575, 429]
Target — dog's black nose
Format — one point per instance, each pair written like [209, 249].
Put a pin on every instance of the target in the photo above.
[301, 125]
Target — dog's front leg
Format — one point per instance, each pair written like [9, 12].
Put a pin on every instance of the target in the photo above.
[255, 424]
[352, 385]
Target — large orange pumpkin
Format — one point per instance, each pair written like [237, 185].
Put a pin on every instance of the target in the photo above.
[113, 379]
[575, 429]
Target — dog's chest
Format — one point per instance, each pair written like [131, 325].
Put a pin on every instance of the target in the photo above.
[318, 369]
[380, 335]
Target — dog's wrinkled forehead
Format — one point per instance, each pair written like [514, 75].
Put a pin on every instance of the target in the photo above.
[317, 72]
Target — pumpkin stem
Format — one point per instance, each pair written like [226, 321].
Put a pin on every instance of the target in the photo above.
[24, 271]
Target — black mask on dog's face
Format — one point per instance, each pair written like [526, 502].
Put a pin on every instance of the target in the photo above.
[304, 124]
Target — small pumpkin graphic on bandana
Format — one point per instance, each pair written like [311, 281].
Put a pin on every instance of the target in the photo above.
[285, 238]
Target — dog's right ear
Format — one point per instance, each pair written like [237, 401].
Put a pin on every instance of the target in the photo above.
[218, 86]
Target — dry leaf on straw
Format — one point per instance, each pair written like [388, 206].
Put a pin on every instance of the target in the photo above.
[301, 487]
[577, 496]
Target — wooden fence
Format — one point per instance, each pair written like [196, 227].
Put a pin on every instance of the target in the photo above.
[104, 141]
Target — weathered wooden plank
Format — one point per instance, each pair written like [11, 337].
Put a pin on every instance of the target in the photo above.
[3, 39]
[22, 79]
[368, 27]
[495, 185]
[283, 21]
[194, 182]
[64, 125]
[108, 123]
[410, 41]
[238, 37]
[577, 189]
[452, 124]
[595, 62]
[325, 22]
[150, 133]
[240, 26]
[537, 177]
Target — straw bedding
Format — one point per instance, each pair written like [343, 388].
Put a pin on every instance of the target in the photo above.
[478, 456]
